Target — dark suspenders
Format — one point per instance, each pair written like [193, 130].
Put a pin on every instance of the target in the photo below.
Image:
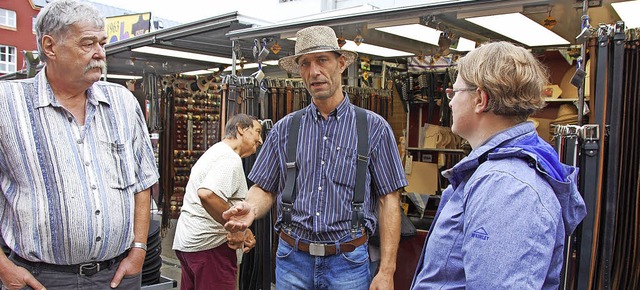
[289, 192]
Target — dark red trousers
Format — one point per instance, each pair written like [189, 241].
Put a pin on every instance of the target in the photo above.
[211, 269]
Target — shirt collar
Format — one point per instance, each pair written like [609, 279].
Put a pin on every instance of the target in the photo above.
[45, 97]
[338, 113]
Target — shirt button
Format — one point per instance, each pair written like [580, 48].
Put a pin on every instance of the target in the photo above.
[319, 187]
[98, 239]
[322, 162]
[97, 212]
[337, 148]
[70, 119]
[79, 141]
[87, 163]
[318, 213]
[93, 186]
[325, 138]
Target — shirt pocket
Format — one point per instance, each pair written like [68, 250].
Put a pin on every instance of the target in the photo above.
[344, 170]
[117, 164]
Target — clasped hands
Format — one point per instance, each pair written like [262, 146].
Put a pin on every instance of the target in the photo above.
[241, 240]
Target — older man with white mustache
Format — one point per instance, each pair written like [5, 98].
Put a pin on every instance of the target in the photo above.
[76, 164]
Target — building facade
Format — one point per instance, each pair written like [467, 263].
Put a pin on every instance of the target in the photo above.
[17, 32]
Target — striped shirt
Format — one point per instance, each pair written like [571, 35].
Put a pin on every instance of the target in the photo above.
[67, 191]
[326, 159]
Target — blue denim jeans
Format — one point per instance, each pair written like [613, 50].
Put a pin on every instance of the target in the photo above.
[299, 270]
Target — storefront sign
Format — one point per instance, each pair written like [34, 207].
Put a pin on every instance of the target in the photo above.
[127, 26]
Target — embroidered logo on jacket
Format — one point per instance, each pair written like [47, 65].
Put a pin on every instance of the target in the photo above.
[480, 233]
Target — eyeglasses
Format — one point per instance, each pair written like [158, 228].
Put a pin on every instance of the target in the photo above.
[452, 92]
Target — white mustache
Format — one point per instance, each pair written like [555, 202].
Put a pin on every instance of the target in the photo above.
[101, 64]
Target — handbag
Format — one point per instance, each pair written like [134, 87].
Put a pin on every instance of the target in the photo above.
[407, 229]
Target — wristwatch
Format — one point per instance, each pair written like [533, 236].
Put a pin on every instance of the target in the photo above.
[139, 245]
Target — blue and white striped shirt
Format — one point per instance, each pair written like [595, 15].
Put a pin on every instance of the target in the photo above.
[67, 191]
[326, 160]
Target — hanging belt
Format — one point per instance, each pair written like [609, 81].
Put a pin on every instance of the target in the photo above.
[613, 153]
[274, 100]
[589, 187]
[288, 101]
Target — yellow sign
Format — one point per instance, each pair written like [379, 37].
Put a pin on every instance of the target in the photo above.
[127, 26]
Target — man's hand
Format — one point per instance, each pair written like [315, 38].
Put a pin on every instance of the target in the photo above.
[239, 217]
[131, 265]
[15, 278]
[245, 240]
[382, 281]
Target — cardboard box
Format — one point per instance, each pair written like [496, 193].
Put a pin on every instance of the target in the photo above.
[422, 177]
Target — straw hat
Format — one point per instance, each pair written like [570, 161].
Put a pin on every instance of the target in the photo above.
[311, 40]
[566, 110]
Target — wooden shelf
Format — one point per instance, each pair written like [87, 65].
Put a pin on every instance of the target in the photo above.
[436, 150]
[560, 100]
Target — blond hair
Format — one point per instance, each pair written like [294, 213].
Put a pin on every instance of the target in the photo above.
[510, 75]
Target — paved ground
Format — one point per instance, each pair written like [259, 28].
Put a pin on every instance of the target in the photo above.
[170, 264]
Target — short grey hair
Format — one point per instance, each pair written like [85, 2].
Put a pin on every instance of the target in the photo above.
[55, 19]
[239, 121]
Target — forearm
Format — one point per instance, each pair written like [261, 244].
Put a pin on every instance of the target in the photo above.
[141, 216]
[389, 219]
[260, 200]
[213, 204]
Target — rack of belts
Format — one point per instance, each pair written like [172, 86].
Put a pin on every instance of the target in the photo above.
[274, 98]
[191, 108]
[428, 88]
[377, 100]
[608, 240]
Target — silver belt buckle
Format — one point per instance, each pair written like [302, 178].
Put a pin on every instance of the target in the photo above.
[316, 250]
[89, 269]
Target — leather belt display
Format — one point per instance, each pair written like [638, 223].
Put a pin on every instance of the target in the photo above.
[323, 250]
[85, 269]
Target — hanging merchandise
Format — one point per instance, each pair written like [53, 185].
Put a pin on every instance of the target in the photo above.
[276, 48]
[359, 39]
[609, 254]
[192, 122]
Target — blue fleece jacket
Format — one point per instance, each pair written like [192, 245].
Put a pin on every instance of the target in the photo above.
[502, 222]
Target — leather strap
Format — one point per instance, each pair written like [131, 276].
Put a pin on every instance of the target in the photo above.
[281, 101]
[288, 101]
[274, 101]
[289, 192]
[613, 153]
[357, 205]
[322, 250]
[85, 269]
[589, 168]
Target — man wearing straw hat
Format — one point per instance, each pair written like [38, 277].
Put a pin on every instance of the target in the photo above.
[317, 249]
[502, 222]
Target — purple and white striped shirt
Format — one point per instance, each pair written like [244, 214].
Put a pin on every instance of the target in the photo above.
[326, 160]
[67, 191]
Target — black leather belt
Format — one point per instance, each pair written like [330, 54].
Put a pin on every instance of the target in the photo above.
[318, 249]
[84, 269]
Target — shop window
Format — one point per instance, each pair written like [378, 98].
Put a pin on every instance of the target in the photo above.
[7, 59]
[7, 18]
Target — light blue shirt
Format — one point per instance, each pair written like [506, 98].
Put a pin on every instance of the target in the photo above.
[67, 191]
[502, 222]
[326, 160]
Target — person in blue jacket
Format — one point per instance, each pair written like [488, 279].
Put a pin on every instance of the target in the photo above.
[502, 222]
